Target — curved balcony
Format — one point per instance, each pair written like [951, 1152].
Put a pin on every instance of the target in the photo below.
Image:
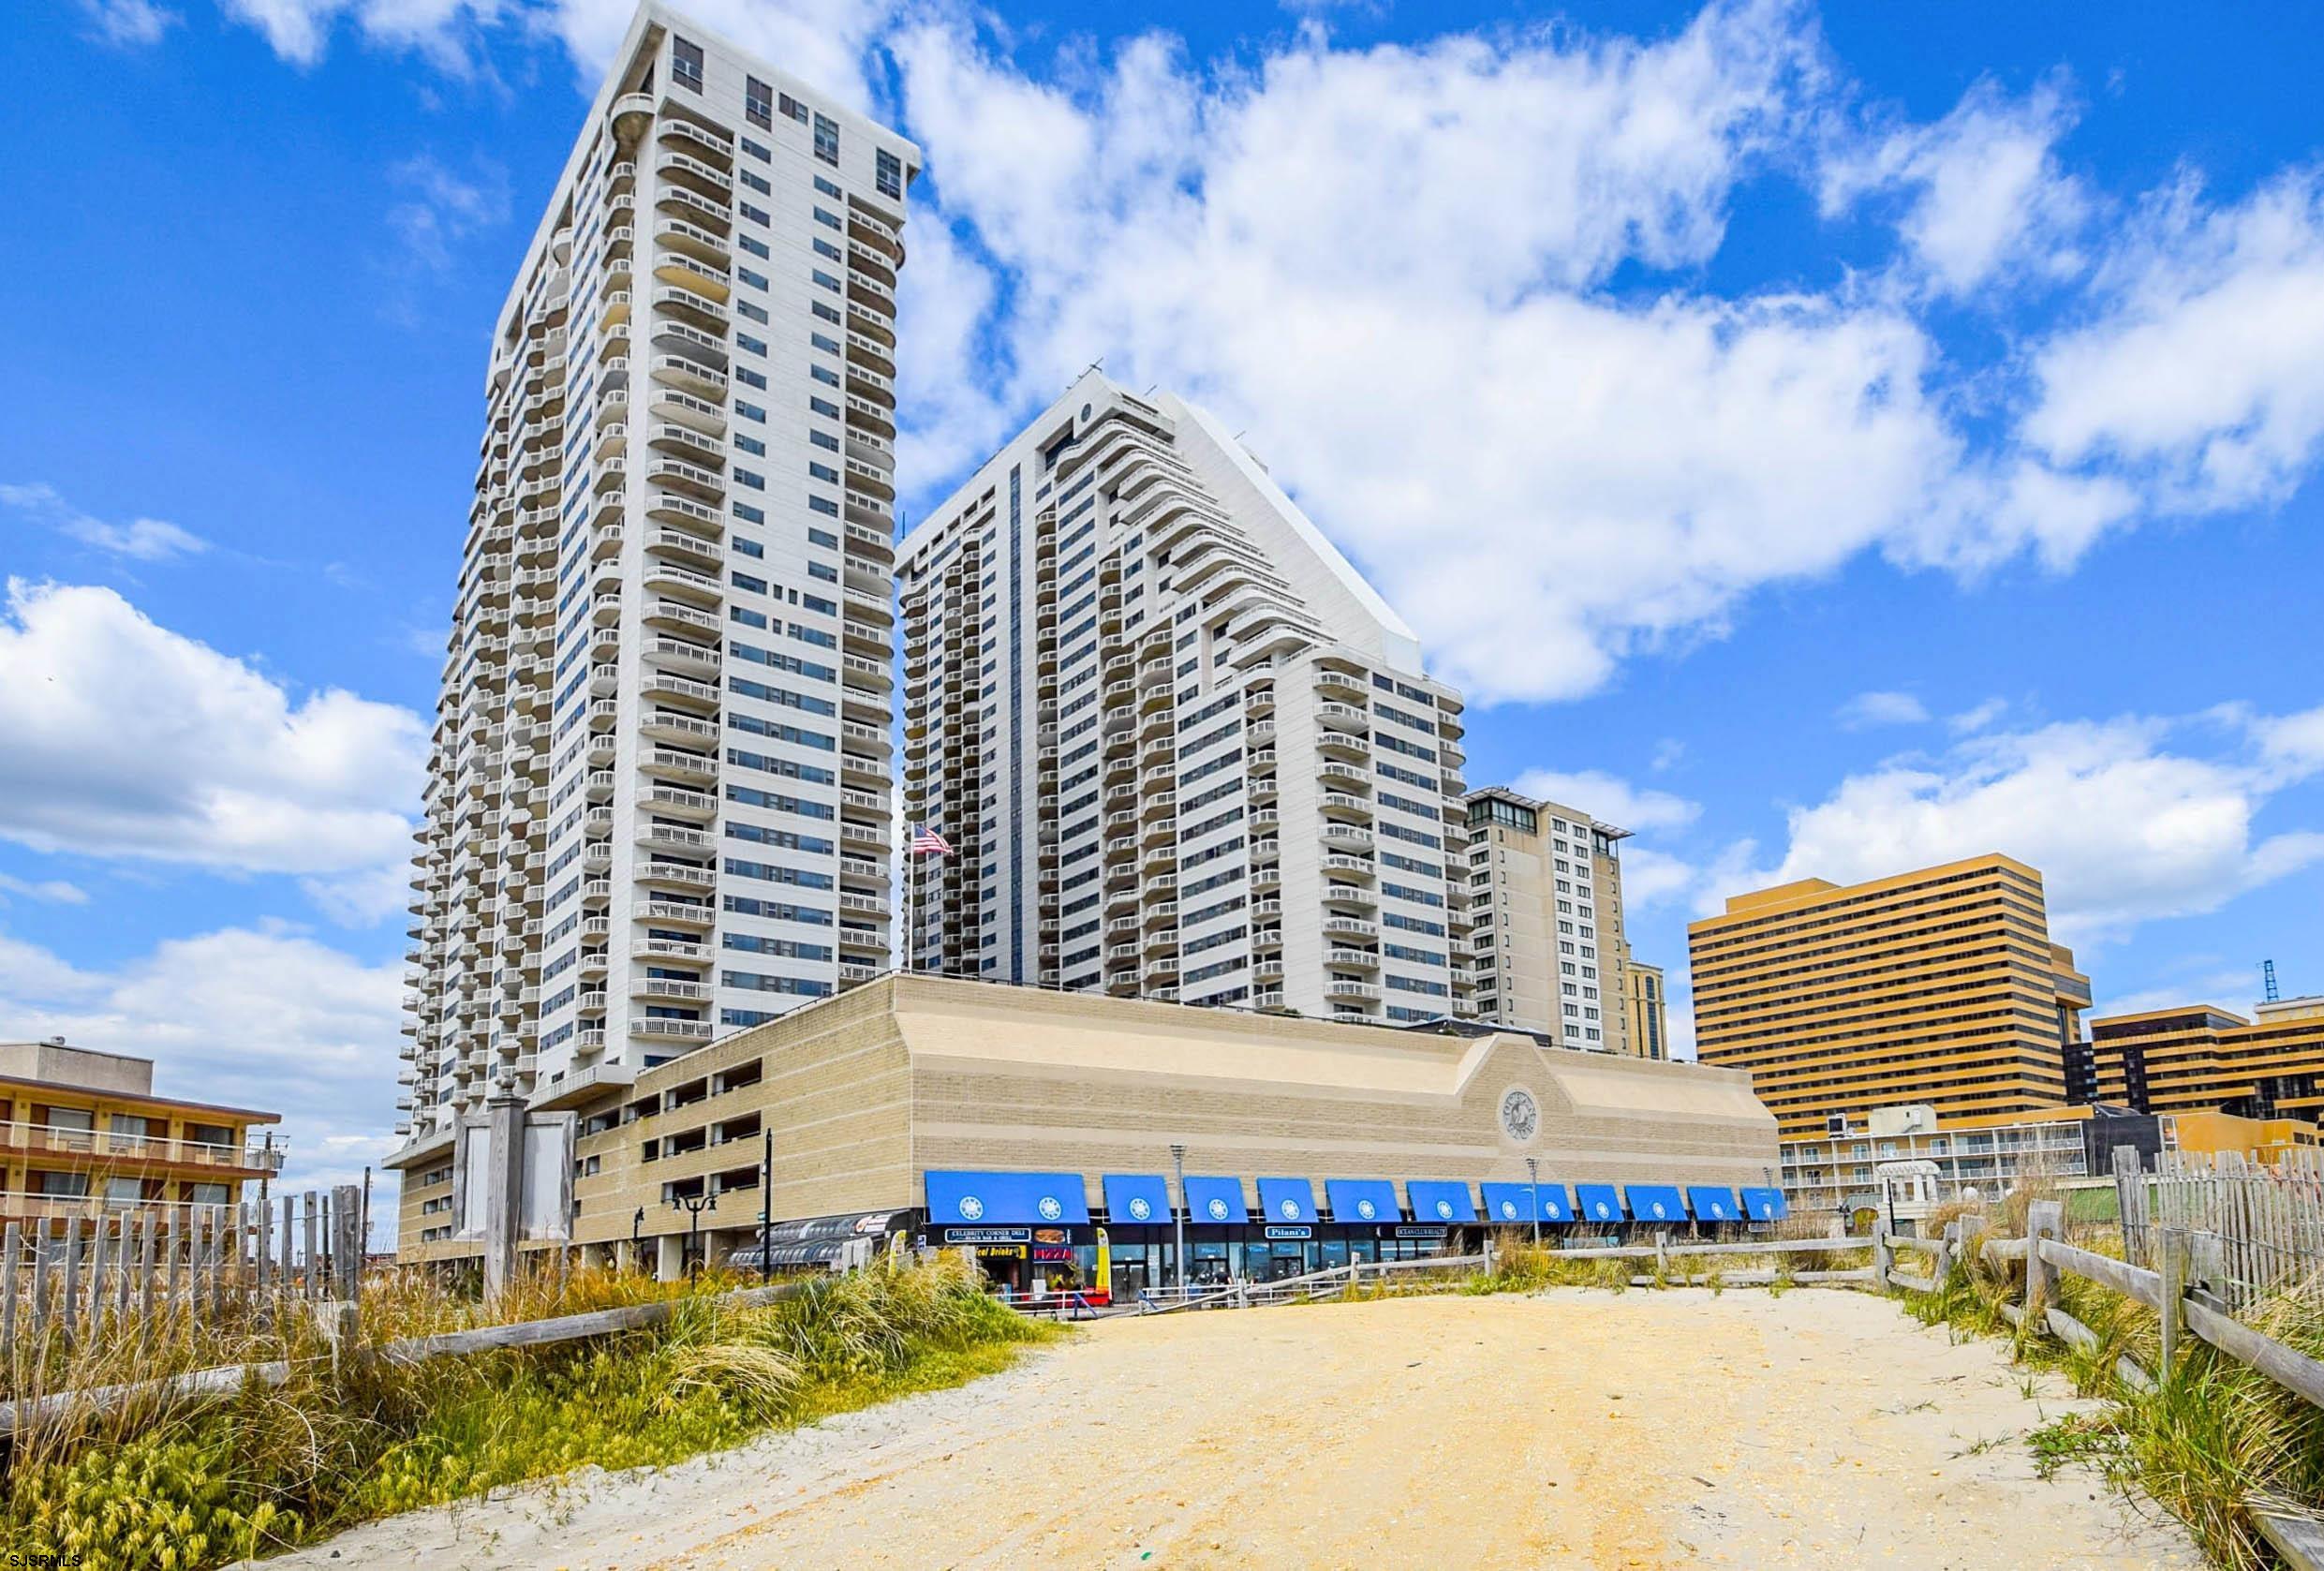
[684, 765]
[706, 483]
[696, 310]
[677, 131]
[687, 442]
[691, 239]
[681, 371]
[670, 507]
[677, 201]
[686, 171]
[631, 114]
[669, 687]
[657, 1029]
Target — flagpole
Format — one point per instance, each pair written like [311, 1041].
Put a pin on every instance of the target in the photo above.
[908, 904]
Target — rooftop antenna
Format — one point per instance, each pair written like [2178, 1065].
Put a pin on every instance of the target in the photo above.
[2267, 969]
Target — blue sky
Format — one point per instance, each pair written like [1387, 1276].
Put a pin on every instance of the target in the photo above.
[1827, 442]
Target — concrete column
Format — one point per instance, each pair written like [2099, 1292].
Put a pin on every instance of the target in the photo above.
[669, 1256]
[504, 1191]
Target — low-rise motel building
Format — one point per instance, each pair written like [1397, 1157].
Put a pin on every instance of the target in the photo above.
[84, 1139]
[1030, 1125]
[1907, 1150]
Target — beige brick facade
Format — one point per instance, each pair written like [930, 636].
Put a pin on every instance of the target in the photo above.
[868, 1091]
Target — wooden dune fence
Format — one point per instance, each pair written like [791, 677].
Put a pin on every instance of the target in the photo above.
[2263, 1222]
[127, 1272]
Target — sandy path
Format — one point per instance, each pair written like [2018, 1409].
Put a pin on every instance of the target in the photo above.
[1575, 1429]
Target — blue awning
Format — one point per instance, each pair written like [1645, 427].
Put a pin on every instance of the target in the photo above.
[1598, 1202]
[1005, 1199]
[1714, 1205]
[1440, 1202]
[1657, 1203]
[1135, 1198]
[1516, 1202]
[1283, 1200]
[1765, 1205]
[1216, 1200]
[1361, 1200]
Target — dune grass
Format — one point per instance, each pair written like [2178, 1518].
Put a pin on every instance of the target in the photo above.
[177, 1485]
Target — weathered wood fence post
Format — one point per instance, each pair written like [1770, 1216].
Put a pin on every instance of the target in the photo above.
[2130, 1204]
[2172, 1251]
[2044, 1219]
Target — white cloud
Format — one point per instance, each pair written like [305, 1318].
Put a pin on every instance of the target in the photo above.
[1983, 192]
[1606, 797]
[146, 540]
[1882, 708]
[264, 1019]
[1457, 291]
[128, 740]
[2125, 829]
[2197, 375]
[2227, 989]
[54, 891]
[820, 41]
[442, 208]
[444, 31]
[1977, 717]
[1652, 877]
[129, 23]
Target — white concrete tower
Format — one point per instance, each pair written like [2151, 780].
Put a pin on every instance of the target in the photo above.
[660, 806]
[1183, 749]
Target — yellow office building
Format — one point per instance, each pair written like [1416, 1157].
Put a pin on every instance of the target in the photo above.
[2197, 1058]
[1939, 987]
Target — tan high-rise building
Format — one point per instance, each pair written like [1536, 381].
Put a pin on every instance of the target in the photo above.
[1544, 891]
[1938, 987]
[1646, 1022]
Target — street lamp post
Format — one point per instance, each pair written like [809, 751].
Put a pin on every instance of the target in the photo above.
[694, 1204]
[1532, 1182]
[766, 1207]
[1177, 1212]
[637, 1226]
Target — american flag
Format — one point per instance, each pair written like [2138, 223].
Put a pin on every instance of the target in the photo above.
[927, 842]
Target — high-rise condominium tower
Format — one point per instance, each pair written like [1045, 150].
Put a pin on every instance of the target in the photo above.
[1181, 749]
[1545, 888]
[659, 805]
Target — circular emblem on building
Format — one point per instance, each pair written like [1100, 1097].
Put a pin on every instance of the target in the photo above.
[1366, 1210]
[1444, 1211]
[1049, 1208]
[1718, 1212]
[1509, 1210]
[1290, 1209]
[1521, 1116]
[1217, 1208]
[970, 1207]
[1601, 1210]
[1656, 1206]
[1140, 1208]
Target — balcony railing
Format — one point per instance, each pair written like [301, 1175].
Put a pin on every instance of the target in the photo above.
[100, 1146]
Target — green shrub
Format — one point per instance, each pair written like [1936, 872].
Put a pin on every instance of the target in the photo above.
[183, 1487]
